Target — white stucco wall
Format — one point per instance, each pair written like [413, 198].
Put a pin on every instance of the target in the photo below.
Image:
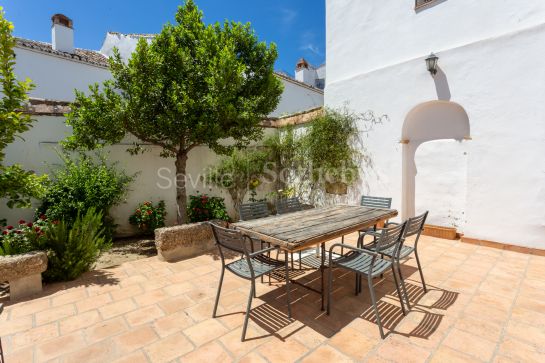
[490, 58]
[56, 78]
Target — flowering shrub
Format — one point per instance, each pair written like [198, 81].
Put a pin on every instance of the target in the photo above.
[148, 217]
[204, 208]
[26, 237]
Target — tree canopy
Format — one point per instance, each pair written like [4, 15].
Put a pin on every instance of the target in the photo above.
[193, 84]
[16, 184]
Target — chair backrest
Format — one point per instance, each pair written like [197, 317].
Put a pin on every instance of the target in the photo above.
[229, 239]
[376, 202]
[391, 237]
[288, 205]
[415, 225]
[255, 210]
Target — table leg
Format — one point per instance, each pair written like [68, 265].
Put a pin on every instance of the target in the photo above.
[322, 263]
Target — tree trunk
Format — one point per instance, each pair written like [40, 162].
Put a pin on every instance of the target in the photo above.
[181, 193]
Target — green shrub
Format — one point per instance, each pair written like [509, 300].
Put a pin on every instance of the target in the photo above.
[148, 217]
[26, 237]
[73, 248]
[85, 182]
[204, 208]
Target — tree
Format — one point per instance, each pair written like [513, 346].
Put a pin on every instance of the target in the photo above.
[16, 184]
[193, 84]
[237, 171]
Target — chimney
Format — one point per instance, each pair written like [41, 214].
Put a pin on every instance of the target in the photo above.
[304, 72]
[62, 33]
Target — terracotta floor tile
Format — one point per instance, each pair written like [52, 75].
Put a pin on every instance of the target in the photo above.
[353, 343]
[448, 355]
[54, 314]
[470, 344]
[16, 325]
[105, 329]
[252, 358]
[175, 304]
[178, 289]
[151, 297]
[520, 351]
[35, 335]
[397, 349]
[28, 308]
[59, 346]
[97, 353]
[93, 303]
[126, 292]
[231, 341]
[167, 349]
[277, 350]
[144, 315]
[529, 334]
[69, 297]
[79, 322]
[210, 352]
[117, 308]
[136, 357]
[24, 355]
[135, 339]
[205, 331]
[172, 323]
[326, 353]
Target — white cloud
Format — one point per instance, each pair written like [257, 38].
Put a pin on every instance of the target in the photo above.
[308, 43]
[288, 16]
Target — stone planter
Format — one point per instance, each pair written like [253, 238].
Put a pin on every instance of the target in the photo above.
[184, 241]
[23, 273]
[337, 188]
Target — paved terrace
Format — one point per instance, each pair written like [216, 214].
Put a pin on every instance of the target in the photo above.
[484, 304]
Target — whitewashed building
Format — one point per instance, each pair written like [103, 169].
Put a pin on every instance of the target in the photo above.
[57, 69]
[468, 143]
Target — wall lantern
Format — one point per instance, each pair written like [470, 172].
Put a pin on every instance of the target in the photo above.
[431, 64]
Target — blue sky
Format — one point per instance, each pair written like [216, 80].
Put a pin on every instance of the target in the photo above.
[296, 26]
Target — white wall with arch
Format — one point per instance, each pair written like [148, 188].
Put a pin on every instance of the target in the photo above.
[502, 94]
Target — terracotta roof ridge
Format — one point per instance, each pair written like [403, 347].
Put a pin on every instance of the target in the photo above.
[141, 35]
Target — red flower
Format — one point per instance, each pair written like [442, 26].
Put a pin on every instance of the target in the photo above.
[9, 227]
[42, 217]
[55, 222]
[4, 232]
[29, 224]
[147, 203]
[18, 231]
[22, 221]
[149, 212]
[37, 229]
[138, 211]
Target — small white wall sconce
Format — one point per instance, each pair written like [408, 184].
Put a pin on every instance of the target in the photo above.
[431, 64]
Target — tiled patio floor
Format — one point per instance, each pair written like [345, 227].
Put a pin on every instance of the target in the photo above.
[483, 304]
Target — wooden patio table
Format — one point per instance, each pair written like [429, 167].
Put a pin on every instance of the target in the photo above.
[298, 231]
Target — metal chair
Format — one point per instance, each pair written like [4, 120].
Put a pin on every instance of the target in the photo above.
[1, 350]
[369, 263]
[415, 226]
[250, 266]
[250, 211]
[289, 205]
[372, 202]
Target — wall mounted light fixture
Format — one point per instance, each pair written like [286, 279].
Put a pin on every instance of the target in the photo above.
[431, 64]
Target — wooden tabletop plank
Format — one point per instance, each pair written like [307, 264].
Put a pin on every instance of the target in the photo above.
[299, 230]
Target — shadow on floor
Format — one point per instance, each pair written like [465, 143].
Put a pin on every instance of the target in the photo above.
[346, 307]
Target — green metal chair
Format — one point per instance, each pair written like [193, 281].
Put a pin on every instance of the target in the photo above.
[250, 211]
[415, 226]
[289, 205]
[250, 266]
[370, 264]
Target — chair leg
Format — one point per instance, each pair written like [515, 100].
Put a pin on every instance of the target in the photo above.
[403, 286]
[373, 300]
[248, 308]
[1, 353]
[357, 289]
[420, 270]
[300, 260]
[342, 247]
[218, 294]
[398, 290]
[329, 288]
[288, 286]
[293, 268]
